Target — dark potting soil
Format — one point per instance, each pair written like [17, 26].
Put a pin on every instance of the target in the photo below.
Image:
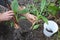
[6, 32]
[26, 34]
[9, 33]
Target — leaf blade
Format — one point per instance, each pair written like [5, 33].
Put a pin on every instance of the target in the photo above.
[23, 11]
[35, 27]
[44, 19]
[43, 3]
[14, 5]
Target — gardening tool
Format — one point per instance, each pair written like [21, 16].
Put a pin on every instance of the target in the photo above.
[50, 28]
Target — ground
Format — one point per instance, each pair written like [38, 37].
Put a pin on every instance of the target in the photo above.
[9, 33]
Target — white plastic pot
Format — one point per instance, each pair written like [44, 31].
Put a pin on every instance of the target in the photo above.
[50, 28]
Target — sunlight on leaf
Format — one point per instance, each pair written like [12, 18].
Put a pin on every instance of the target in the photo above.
[32, 9]
[14, 5]
[22, 17]
[43, 4]
[35, 0]
[23, 11]
[53, 9]
[35, 27]
[44, 19]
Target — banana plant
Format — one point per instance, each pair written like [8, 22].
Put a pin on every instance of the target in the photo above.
[35, 10]
[40, 8]
[38, 13]
[17, 11]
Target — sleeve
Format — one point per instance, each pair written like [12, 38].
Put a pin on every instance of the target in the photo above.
[2, 2]
[3, 9]
[5, 2]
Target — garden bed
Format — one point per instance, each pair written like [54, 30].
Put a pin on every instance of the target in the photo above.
[10, 33]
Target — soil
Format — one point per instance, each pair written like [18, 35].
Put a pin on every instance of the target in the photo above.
[35, 34]
[9, 33]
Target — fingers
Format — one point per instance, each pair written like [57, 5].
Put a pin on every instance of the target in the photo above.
[10, 11]
[31, 18]
[32, 21]
[11, 14]
[10, 17]
[34, 18]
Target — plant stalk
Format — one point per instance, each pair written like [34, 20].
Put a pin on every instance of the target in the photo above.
[16, 26]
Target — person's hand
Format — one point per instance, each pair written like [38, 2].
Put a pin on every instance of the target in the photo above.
[6, 16]
[30, 17]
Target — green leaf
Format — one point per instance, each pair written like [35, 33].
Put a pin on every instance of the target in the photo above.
[35, 27]
[44, 19]
[59, 7]
[32, 9]
[53, 9]
[14, 5]
[11, 24]
[59, 1]
[39, 17]
[43, 4]
[23, 11]
[22, 17]
[52, 4]
[35, 0]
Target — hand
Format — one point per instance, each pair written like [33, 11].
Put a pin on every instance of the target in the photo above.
[30, 17]
[6, 16]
